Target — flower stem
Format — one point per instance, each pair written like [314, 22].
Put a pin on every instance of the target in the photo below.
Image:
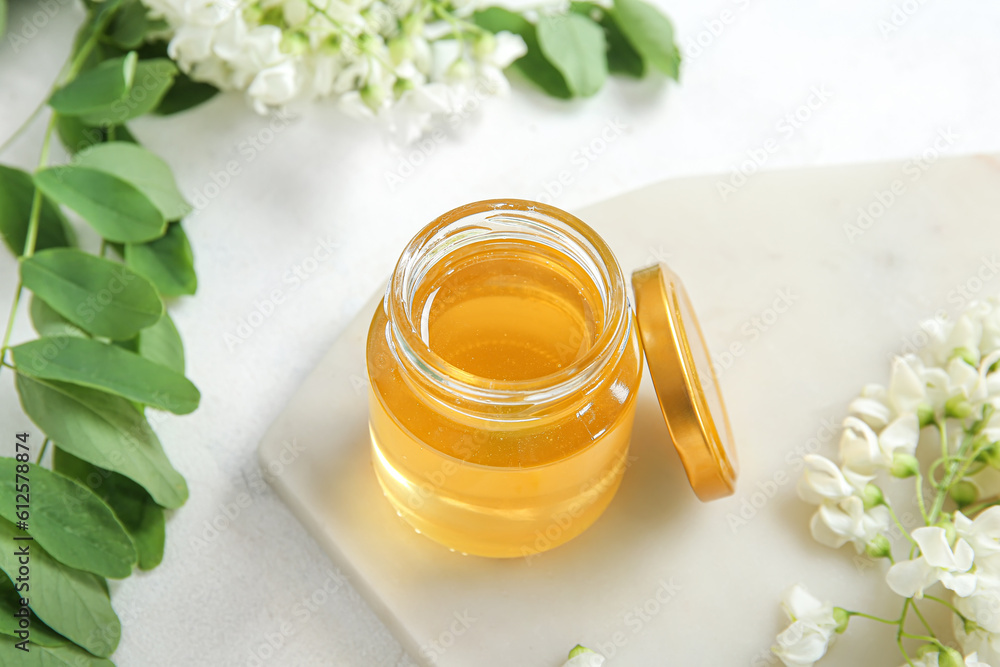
[899, 631]
[873, 618]
[899, 524]
[980, 506]
[946, 604]
[923, 638]
[948, 478]
[923, 620]
[920, 498]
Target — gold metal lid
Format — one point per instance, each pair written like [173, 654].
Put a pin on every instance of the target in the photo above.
[685, 382]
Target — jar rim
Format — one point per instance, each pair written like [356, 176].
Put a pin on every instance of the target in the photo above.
[576, 235]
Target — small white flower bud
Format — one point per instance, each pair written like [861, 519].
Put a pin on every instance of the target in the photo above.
[949, 657]
[413, 25]
[925, 414]
[460, 70]
[958, 407]
[842, 617]
[872, 496]
[879, 547]
[400, 49]
[484, 45]
[966, 355]
[964, 493]
[904, 465]
[373, 96]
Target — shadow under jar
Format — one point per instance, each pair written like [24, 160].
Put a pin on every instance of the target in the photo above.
[504, 365]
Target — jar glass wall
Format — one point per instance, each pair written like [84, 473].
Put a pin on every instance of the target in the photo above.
[504, 364]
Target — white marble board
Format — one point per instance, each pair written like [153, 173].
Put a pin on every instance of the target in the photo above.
[801, 304]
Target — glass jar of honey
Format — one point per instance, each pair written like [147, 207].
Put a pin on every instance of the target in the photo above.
[504, 366]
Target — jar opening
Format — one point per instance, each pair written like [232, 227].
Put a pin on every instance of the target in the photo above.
[507, 296]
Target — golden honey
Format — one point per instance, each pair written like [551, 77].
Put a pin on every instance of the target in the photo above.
[504, 364]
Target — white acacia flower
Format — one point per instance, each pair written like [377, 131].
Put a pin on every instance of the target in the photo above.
[274, 87]
[983, 535]
[932, 660]
[823, 481]
[836, 524]
[813, 627]
[989, 373]
[415, 111]
[992, 428]
[981, 643]
[964, 333]
[983, 606]
[988, 312]
[871, 406]
[354, 50]
[972, 660]
[938, 561]
[956, 379]
[907, 390]
[863, 451]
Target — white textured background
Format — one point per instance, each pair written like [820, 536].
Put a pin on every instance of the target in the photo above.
[219, 595]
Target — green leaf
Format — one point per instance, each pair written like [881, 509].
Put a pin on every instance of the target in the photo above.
[651, 33]
[622, 56]
[104, 430]
[71, 602]
[130, 25]
[75, 526]
[142, 518]
[97, 90]
[161, 343]
[142, 169]
[101, 297]
[97, 13]
[16, 193]
[91, 363]
[3, 17]
[167, 262]
[533, 65]
[48, 322]
[576, 46]
[65, 655]
[118, 210]
[76, 135]
[152, 80]
[186, 93]
[10, 603]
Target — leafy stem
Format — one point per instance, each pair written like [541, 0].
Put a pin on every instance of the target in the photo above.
[69, 70]
[31, 238]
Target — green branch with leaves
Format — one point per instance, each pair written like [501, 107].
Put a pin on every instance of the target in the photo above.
[107, 352]
[571, 53]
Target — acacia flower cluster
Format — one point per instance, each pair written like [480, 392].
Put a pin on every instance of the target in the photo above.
[404, 60]
[940, 407]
